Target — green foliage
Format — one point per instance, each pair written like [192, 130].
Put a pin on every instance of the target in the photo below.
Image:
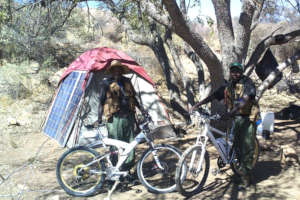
[49, 62]
[277, 10]
[4, 15]
[36, 32]
[210, 22]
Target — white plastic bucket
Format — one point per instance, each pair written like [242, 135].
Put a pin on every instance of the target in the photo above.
[267, 123]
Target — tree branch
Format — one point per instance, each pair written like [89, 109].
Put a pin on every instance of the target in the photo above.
[194, 39]
[65, 19]
[157, 14]
[266, 43]
[256, 15]
[137, 38]
[267, 82]
[242, 33]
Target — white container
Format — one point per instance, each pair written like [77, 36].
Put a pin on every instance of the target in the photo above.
[267, 123]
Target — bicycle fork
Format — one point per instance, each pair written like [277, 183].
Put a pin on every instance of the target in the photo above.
[157, 165]
[194, 154]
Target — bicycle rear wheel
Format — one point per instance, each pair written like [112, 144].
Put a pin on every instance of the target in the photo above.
[196, 172]
[154, 178]
[235, 165]
[76, 173]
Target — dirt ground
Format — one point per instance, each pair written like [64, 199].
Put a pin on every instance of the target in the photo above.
[27, 169]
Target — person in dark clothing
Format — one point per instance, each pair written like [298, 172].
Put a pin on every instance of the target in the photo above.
[117, 107]
[239, 96]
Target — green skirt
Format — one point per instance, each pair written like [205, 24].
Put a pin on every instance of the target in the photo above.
[244, 140]
[122, 128]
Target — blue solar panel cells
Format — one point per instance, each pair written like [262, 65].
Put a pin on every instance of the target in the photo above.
[60, 119]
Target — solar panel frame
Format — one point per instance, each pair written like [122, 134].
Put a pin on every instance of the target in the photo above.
[62, 113]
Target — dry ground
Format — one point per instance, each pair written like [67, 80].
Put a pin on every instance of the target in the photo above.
[31, 178]
[28, 159]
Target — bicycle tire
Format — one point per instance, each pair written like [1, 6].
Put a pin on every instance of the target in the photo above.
[184, 185]
[75, 179]
[146, 169]
[235, 165]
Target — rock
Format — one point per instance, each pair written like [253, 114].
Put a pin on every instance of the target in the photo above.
[13, 122]
[53, 80]
[55, 197]
[288, 155]
[33, 68]
[22, 187]
[281, 86]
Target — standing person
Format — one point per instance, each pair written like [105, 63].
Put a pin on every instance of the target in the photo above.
[117, 107]
[239, 96]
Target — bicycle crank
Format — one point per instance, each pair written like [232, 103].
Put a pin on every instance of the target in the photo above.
[220, 163]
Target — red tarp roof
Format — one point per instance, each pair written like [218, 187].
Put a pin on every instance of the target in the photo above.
[99, 58]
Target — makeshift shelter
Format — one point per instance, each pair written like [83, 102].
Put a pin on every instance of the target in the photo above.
[75, 105]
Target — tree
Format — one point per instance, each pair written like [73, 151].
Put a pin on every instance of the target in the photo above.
[143, 30]
[29, 27]
[234, 40]
[152, 23]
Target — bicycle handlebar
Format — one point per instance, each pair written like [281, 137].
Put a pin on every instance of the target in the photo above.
[204, 114]
[146, 121]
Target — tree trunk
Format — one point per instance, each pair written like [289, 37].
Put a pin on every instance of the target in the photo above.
[200, 72]
[150, 36]
[186, 82]
[161, 54]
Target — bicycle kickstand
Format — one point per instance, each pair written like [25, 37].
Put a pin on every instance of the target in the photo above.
[112, 190]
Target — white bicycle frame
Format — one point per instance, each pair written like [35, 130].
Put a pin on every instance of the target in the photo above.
[202, 139]
[123, 149]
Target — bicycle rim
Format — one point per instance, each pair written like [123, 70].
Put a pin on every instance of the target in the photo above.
[154, 178]
[73, 174]
[197, 168]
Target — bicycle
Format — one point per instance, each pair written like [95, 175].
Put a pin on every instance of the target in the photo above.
[81, 170]
[196, 158]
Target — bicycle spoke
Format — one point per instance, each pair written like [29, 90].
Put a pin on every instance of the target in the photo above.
[78, 173]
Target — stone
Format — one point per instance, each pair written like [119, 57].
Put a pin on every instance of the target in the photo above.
[288, 155]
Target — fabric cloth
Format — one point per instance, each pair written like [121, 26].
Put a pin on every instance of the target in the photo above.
[267, 65]
[100, 58]
[233, 93]
[117, 104]
[244, 141]
[119, 97]
[116, 96]
[121, 127]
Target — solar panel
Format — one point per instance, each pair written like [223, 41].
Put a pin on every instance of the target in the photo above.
[64, 107]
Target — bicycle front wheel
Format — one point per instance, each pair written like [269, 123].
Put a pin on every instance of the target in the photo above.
[195, 164]
[76, 172]
[157, 167]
